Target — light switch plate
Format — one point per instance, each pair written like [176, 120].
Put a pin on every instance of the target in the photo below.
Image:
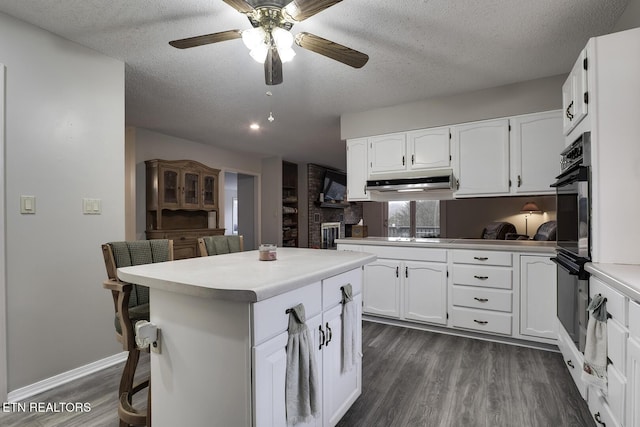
[91, 206]
[27, 204]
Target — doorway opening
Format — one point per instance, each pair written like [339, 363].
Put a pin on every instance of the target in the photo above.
[240, 207]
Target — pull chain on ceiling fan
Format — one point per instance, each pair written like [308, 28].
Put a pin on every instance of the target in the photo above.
[270, 41]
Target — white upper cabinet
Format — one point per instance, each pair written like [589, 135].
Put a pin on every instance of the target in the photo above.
[357, 169]
[387, 153]
[536, 142]
[481, 158]
[428, 149]
[575, 95]
[409, 151]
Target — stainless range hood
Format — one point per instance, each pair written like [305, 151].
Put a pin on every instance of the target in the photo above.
[436, 180]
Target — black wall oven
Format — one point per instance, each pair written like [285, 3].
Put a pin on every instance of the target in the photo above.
[573, 205]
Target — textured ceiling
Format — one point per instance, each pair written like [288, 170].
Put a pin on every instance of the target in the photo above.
[417, 48]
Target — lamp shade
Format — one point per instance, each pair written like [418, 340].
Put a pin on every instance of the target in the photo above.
[530, 207]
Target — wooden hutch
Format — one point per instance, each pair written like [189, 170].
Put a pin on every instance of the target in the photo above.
[182, 203]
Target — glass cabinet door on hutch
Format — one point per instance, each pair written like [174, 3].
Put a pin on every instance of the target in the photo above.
[169, 187]
[209, 199]
[190, 190]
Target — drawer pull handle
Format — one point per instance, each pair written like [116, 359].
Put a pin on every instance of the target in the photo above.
[481, 299]
[480, 322]
[570, 363]
[480, 258]
[329, 334]
[481, 277]
[322, 337]
[598, 420]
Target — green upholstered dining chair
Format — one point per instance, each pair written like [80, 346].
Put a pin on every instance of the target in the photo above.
[218, 245]
[131, 303]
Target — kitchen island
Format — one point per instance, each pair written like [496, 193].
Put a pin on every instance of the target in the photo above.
[221, 357]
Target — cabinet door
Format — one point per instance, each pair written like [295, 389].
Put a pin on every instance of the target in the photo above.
[341, 389]
[481, 158]
[170, 189]
[209, 191]
[425, 294]
[633, 383]
[269, 378]
[429, 149]
[382, 288]
[190, 189]
[269, 373]
[536, 143]
[538, 279]
[387, 153]
[574, 106]
[357, 169]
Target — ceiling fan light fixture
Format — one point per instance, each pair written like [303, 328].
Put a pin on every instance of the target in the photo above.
[283, 40]
[253, 38]
[259, 53]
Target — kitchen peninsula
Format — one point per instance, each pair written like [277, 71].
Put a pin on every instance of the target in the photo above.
[223, 319]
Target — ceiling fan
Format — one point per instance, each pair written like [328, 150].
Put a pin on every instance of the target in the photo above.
[270, 39]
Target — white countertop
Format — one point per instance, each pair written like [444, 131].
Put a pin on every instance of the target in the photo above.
[481, 244]
[623, 277]
[241, 276]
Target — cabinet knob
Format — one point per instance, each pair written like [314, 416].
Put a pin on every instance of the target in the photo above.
[598, 420]
[570, 364]
[329, 334]
[519, 180]
[322, 337]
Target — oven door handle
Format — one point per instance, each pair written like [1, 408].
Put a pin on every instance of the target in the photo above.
[571, 267]
[576, 173]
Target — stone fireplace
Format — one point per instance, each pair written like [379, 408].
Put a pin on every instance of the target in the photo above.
[344, 214]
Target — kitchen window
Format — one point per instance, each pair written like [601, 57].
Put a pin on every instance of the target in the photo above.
[419, 218]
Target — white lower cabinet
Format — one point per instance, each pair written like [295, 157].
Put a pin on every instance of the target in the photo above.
[382, 288]
[633, 367]
[482, 291]
[538, 311]
[573, 359]
[338, 389]
[412, 290]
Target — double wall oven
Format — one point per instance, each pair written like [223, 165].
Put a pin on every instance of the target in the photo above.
[573, 206]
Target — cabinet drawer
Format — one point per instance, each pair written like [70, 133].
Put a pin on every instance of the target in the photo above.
[616, 302]
[600, 410]
[483, 298]
[482, 258]
[331, 292]
[270, 317]
[574, 360]
[634, 320]
[616, 384]
[481, 320]
[617, 344]
[486, 277]
[404, 253]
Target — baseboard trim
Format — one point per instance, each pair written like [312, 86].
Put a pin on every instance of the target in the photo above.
[462, 333]
[65, 377]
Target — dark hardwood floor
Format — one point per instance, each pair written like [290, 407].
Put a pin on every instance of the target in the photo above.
[411, 378]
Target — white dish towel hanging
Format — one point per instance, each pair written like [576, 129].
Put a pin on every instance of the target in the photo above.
[594, 370]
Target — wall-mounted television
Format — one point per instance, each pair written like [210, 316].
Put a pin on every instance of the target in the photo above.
[335, 186]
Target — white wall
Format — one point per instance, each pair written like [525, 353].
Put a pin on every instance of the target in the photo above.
[510, 100]
[630, 18]
[272, 201]
[153, 145]
[64, 142]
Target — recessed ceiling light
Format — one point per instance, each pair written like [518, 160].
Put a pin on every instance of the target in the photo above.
[254, 126]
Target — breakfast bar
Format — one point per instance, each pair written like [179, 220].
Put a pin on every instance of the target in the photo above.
[221, 354]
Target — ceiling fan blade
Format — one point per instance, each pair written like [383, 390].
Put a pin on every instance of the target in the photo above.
[206, 39]
[332, 50]
[240, 5]
[273, 68]
[299, 10]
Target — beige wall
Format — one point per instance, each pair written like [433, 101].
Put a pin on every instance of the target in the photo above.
[520, 98]
[64, 141]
